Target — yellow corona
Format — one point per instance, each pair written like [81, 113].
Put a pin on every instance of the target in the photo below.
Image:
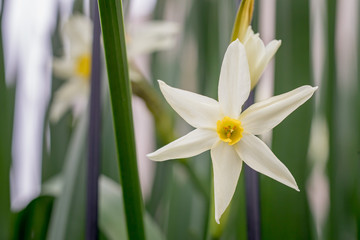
[83, 66]
[229, 130]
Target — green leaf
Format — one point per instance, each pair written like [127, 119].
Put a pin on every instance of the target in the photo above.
[208, 37]
[112, 23]
[111, 211]
[179, 210]
[341, 98]
[109, 164]
[67, 220]
[285, 212]
[111, 214]
[7, 106]
[32, 222]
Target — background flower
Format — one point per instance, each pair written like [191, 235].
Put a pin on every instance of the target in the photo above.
[75, 66]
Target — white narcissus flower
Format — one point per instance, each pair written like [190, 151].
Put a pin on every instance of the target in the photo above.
[258, 55]
[75, 65]
[228, 133]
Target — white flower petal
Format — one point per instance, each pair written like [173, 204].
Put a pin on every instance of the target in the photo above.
[270, 51]
[257, 155]
[58, 109]
[78, 30]
[265, 115]
[193, 143]
[150, 36]
[63, 68]
[66, 97]
[227, 167]
[234, 82]
[63, 100]
[199, 111]
[258, 55]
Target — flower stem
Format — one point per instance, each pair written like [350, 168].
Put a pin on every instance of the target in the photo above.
[112, 25]
[5, 143]
[215, 231]
[93, 168]
[252, 193]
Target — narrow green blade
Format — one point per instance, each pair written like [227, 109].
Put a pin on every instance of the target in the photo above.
[32, 222]
[341, 105]
[67, 219]
[112, 23]
[5, 144]
[111, 213]
[285, 212]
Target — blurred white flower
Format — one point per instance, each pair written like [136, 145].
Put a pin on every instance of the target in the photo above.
[148, 37]
[75, 65]
[228, 134]
[258, 55]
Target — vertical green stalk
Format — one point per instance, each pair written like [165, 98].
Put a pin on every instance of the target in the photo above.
[208, 36]
[329, 99]
[5, 145]
[342, 98]
[67, 213]
[112, 23]
[285, 212]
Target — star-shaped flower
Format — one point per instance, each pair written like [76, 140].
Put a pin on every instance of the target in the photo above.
[75, 65]
[228, 132]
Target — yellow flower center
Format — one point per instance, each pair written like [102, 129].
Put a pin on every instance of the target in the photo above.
[229, 130]
[83, 66]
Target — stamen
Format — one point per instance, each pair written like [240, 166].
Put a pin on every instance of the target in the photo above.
[83, 66]
[229, 130]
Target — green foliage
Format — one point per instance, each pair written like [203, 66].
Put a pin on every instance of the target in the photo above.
[7, 96]
[67, 220]
[280, 205]
[32, 222]
[340, 99]
[112, 24]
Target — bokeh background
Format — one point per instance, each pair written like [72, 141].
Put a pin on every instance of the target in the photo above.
[319, 143]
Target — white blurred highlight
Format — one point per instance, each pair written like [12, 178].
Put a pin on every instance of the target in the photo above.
[265, 87]
[27, 27]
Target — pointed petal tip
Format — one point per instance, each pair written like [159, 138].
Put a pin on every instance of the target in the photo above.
[312, 89]
[236, 43]
[295, 187]
[153, 157]
[150, 156]
[217, 216]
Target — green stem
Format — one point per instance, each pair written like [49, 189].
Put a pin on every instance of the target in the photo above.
[5, 144]
[216, 230]
[112, 23]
